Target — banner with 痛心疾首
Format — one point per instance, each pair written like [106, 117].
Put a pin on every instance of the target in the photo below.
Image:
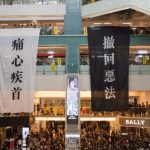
[18, 51]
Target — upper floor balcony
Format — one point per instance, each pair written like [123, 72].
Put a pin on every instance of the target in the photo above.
[28, 2]
[56, 9]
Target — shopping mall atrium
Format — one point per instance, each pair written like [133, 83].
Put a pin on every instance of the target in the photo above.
[63, 58]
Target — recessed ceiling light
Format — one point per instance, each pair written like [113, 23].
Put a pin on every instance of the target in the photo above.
[126, 23]
[107, 23]
[142, 51]
[97, 23]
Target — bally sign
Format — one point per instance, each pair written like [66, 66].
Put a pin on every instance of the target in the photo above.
[134, 122]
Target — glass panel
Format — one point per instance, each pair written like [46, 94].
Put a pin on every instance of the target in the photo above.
[1, 2]
[16, 2]
[26, 2]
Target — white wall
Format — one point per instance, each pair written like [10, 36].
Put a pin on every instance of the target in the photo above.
[105, 7]
[31, 11]
[137, 82]
[51, 82]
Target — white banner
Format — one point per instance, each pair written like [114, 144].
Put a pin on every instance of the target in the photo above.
[18, 51]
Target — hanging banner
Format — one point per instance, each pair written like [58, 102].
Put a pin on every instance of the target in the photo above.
[18, 51]
[72, 106]
[109, 55]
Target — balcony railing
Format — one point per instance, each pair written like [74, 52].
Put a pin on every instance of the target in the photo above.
[54, 68]
[44, 2]
[85, 2]
[28, 2]
[84, 112]
[84, 69]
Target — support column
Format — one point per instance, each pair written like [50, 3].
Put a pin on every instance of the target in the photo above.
[73, 26]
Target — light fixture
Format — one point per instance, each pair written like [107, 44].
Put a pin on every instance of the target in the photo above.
[97, 23]
[81, 119]
[142, 51]
[107, 23]
[51, 53]
[60, 23]
[128, 23]
[140, 56]
[72, 136]
[3, 24]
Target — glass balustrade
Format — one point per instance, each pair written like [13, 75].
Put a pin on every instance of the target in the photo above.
[28, 2]
[85, 2]
[84, 111]
[41, 2]
[137, 65]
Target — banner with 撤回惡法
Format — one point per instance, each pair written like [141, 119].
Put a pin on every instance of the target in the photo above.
[109, 56]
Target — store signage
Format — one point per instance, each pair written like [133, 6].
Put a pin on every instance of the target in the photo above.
[109, 56]
[134, 122]
[25, 134]
[14, 121]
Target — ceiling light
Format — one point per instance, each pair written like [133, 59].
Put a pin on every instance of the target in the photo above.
[134, 28]
[97, 23]
[107, 23]
[51, 52]
[60, 23]
[142, 51]
[126, 23]
[140, 56]
[3, 24]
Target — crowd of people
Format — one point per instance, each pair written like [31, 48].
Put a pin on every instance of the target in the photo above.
[49, 29]
[45, 29]
[14, 143]
[135, 110]
[94, 136]
[98, 138]
[140, 110]
[51, 138]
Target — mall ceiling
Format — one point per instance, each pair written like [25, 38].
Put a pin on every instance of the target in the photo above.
[127, 17]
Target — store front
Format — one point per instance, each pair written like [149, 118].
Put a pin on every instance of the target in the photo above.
[134, 125]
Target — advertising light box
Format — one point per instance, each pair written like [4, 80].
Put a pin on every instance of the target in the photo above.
[72, 100]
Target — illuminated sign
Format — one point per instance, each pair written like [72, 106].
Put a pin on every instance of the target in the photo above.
[72, 100]
[25, 134]
[134, 122]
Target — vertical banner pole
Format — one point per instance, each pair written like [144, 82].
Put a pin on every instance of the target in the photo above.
[72, 113]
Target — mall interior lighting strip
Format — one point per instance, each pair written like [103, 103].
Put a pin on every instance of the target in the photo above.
[81, 119]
